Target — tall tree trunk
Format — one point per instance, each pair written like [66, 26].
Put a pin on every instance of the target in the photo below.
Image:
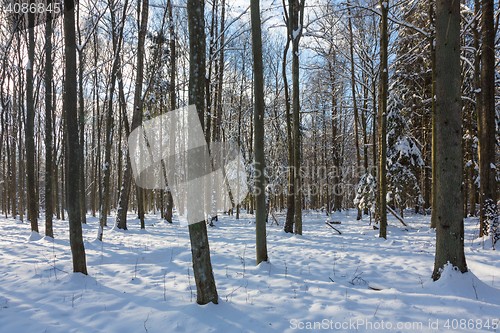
[49, 206]
[208, 74]
[121, 216]
[14, 184]
[448, 206]
[296, 19]
[117, 44]
[375, 144]
[474, 114]
[433, 115]
[382, 116]
[202, 265]
[172, 95]
[73, 149]
[260, 162]
[336, 146]
[354, 101]
[487, 124]
[81, 122]
[22, 161]
[290, 199]
[30, 130]
[96, 132]
[364, 126]
[106, 167]
[240, 113]
[220, 76]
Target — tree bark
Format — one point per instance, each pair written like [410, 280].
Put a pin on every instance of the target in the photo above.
[448, 206]
[30, 130]
[432, 40]
[202, 265]
[487, 124]
[354, 101]
[296, 19]
[470, 153]
[73, 149]
[173, 97]
[260, 162]
[49, 204]
[336, 141]
[382, 116]
[121, 216]
[290, 199]
[117, 44]
[81, 124]
[240, 112]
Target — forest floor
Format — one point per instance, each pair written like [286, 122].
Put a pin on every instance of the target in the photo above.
[142, 280]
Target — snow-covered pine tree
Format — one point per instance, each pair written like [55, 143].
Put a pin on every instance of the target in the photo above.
[413, 71]
[471, 167]
[491, 215]
[403, 155]
[366, 192]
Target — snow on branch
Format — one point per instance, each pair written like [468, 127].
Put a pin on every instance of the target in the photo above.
[395, 20]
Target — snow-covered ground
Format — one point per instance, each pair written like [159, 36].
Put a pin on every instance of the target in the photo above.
[142, 280]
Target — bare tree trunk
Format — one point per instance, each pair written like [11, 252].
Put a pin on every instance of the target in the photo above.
[336, 146]
[364, 126]
[296, 20]
[220, 76]
[73, 149]
[354, 101]
[121, 216]
[375, 146]
[202, 265]
[117, 44]
[260, 161]
[470, 193]
[240, 112]
[14, 184]
[30, 130]
[208, 75]
[173, 97]
[96, 134]
[487, 125]
[49, 206]
[448, 121]
[433, 116]
[290, 199]
[382, 116]
[81, 124]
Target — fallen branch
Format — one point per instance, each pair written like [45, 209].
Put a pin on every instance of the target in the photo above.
[331, 226]
[274, 218]
[396, 215]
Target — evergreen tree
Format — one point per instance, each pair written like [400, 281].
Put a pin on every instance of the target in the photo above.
[366, 191]
[404, 157]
